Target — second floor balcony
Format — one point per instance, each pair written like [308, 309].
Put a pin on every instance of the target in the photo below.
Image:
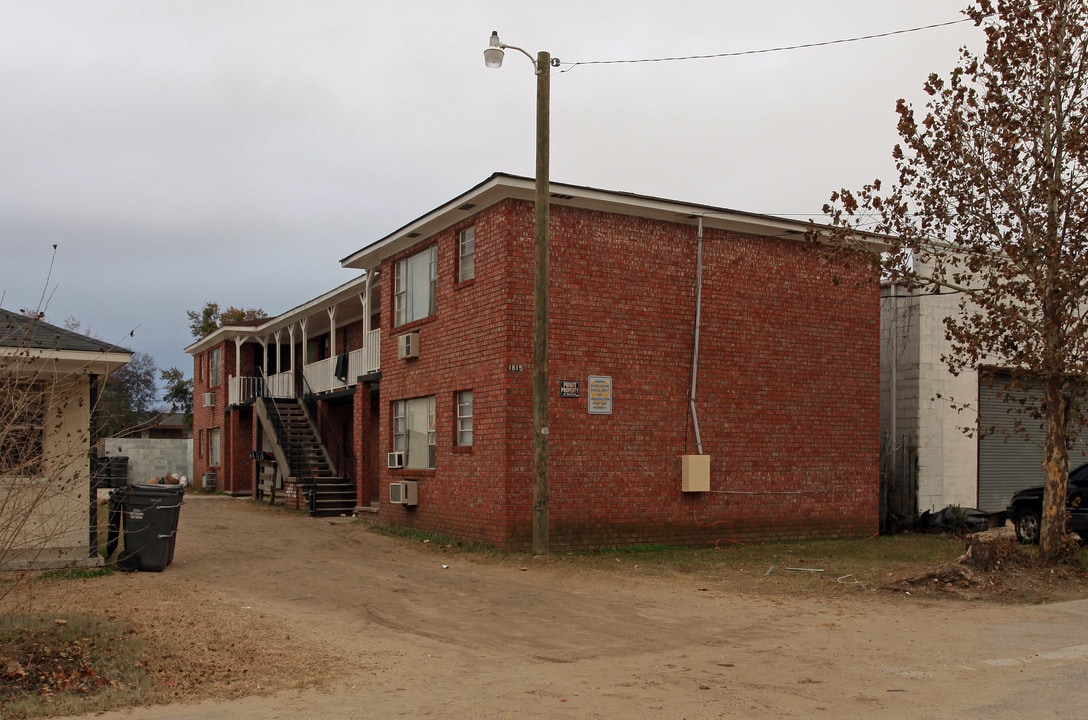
[334, 373]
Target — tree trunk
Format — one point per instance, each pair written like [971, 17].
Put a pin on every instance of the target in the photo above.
[1056, 469]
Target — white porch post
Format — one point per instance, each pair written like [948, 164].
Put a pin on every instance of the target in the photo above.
[365, 299]
[302, 324]
[332, 331]
[291, 353]
[238, 340]
[279, 367]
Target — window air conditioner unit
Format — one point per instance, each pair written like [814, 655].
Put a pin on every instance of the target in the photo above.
[408, 345]
[395, 460]
[209, 399]
[405, 492]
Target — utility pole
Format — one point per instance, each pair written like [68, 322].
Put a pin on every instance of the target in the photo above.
[541, 273]
[493, 57]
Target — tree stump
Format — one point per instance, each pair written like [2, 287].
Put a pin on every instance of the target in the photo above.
[988, 551]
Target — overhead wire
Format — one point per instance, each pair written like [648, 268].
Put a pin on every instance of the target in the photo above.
[567, 67]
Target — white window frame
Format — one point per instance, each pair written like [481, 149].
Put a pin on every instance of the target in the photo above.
[215, 367]
[466, 254]
[22, 448]
[410, 301]
[414, 431]
[215, 446]
[464, 418]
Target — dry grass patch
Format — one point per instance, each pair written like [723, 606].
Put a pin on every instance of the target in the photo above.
[79, 646]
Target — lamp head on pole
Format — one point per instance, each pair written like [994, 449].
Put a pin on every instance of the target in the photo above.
[493, 54]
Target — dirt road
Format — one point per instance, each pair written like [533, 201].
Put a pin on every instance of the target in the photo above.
[459, 636]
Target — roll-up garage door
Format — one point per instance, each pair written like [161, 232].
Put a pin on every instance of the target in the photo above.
[1010, 449]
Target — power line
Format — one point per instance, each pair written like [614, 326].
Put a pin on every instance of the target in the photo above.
[783, 48]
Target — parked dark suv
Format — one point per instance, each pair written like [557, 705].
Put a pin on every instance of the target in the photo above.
[1026, 508]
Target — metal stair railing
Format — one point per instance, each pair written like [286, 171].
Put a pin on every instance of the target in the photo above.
[293, 452]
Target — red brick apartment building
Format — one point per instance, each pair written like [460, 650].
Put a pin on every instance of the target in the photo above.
[405, 394]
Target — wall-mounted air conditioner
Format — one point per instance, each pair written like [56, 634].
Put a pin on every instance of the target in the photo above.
[408, 345]
[209, 399]
[405, 492]
[395, 459]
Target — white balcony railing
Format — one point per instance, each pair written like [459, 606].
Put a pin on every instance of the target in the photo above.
[373, 351]
[281, 385]
[241, 390]
[331, 374]
[320, 376]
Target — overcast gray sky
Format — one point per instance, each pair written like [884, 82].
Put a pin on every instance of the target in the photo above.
[184, 151]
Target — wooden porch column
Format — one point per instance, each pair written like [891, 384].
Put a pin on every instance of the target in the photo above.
[238, 341]
[291, 355]
[332, 331]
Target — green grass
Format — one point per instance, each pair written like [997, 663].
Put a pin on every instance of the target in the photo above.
[867, 560]
[77, 573]
[764, 566]
[435, 540]
[818, 566]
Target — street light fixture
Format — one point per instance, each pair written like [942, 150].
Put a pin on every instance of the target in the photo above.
[493, 57]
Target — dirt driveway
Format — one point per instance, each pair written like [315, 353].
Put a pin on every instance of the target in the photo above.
[423, 633]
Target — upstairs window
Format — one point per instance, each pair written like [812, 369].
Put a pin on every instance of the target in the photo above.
[215, 367]
[414, 285]
[466, 256]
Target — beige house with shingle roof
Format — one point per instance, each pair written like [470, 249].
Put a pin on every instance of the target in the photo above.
[48, 380]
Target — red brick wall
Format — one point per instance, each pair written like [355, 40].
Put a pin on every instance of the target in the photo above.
[463, 347]
[206, 418]
[368, 451]
[235, 474]
[787, 394]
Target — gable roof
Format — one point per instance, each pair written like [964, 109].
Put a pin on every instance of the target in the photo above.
[502, 186]
[266, 326]
[19, 331]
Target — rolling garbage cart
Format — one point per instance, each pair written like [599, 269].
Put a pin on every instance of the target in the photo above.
[147, 514]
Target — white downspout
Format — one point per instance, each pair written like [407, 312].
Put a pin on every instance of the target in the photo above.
[698, 321]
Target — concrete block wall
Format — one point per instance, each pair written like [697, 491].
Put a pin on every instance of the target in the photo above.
[948, 404]
[153, 457]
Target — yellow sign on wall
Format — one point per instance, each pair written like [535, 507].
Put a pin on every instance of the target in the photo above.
[600, 395]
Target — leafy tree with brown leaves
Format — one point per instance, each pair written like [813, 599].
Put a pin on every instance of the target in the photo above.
[992, 203]
[210, 318]
[178, 393]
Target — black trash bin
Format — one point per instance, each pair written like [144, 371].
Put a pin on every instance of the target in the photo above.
[148, 514]
[111, 471]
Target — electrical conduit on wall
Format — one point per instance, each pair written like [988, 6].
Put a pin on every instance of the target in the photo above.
[698, 320]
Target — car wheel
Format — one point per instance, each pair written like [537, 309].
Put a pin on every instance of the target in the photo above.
[1027, 526]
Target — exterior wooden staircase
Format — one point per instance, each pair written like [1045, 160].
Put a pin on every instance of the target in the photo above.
[299, 451]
